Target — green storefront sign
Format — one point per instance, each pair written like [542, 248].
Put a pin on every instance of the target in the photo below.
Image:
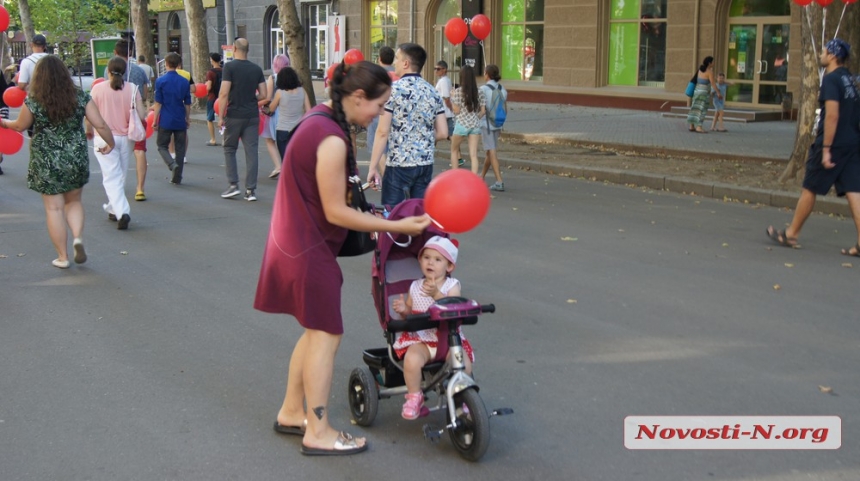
[102, 51]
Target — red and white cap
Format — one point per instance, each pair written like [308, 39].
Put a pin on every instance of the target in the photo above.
[444, 246]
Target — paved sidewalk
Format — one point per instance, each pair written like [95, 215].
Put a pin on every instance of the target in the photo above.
[648, 133]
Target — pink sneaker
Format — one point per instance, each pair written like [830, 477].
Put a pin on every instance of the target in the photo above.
[412, 406]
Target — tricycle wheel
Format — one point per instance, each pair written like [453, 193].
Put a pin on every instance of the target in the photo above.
[363, 396]
[471, 437]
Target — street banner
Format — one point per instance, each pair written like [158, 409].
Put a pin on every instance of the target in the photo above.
[101, 50]
[336, 38]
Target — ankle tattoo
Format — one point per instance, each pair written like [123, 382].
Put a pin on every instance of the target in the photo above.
[319, 411]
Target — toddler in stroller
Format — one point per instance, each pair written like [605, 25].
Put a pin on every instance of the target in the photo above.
[425, 352]
[437, 260]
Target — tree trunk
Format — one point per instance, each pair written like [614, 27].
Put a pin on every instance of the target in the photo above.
[294, 34]
[809, 72]
[26, 22]
[142, 31]
[199, 41]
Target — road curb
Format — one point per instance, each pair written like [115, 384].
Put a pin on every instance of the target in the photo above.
[679, 185]
[636, 149]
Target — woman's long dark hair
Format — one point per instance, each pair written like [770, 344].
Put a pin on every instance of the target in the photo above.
[116, 67]
[53, 89]
[706, 63]
[365, 76]
[469, 89]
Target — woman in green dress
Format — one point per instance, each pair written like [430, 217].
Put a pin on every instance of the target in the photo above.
[59, 161]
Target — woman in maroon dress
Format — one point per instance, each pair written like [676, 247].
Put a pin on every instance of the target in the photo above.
[300, 274]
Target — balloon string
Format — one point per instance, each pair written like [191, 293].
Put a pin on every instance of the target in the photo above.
[823, 24]
[812, 39]
[436, 222]
[844, 6]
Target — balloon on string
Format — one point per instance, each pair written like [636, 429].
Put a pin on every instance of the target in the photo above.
[352, 56]
[96, 82]
[4, 19]
[480, 26]
[457, 200]
[330, 73]
[262, 124]
[14, 97]
[456, 30]
[824, 3]
[200, 90]
[10, 141]
[217, 107]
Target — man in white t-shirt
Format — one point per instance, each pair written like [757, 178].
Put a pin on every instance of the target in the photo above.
[444, 87]
[39, 44]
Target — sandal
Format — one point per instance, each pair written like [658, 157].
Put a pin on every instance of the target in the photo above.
[343, 446]
[780, 237]
[847, 252]
[140, 196]
[212, 143]
[297, 430]
[412, 406]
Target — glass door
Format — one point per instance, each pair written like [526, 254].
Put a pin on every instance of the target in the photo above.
[757, 64]
[443, 50]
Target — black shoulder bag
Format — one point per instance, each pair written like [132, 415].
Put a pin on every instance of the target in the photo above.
[356, 243]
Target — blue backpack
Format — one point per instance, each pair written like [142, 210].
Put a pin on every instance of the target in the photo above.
[497, 112]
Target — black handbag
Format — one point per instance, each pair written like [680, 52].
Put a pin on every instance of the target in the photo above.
[357, 243]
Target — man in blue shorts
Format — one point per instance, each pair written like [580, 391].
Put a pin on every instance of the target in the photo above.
[834, 157]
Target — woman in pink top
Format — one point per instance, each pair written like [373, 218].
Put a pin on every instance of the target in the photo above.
[113, 99]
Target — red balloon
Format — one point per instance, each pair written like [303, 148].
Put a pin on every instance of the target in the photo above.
[4, 19]
[150, 120]
[97, 81]
[803, 3]
[262, 124]
[10, 141]
[14, 97]
[352, 56]
[480, 26]
[200, 91]
[824, 3]
[457, 200]
[217, 107]
[456, 30]
[330, 73]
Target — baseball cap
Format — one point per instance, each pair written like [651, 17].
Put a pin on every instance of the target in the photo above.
[443, 246]
[40, 39]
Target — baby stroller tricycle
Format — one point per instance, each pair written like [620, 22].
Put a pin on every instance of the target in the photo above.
[395, 266]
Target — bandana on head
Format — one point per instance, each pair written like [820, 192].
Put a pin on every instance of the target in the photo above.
[838, 48]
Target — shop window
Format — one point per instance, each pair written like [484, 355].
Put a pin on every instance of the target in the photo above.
[317, 18]
[383, 25]
[522, 39]
[760, 8]
[637, 43]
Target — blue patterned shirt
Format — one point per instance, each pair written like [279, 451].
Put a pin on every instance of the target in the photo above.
[414, 105]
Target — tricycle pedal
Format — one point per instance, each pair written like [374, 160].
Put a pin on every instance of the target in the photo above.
[432, 433]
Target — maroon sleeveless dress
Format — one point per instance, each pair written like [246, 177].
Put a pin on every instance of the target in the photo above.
[300, 274]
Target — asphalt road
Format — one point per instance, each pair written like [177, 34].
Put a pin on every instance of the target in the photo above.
[148, 362]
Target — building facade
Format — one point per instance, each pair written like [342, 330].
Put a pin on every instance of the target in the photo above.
[633, 53]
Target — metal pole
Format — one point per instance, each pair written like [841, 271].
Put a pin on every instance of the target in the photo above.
[231, 23]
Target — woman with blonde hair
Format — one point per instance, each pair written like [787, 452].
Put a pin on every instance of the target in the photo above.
[59, 165]
[114, 100]
[271, 121]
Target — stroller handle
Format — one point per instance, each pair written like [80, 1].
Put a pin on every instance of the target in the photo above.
[488, 308]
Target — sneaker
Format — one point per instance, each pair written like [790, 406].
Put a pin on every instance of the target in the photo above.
[233, 191]
[80, 253]
[122, 224]
[250, 196]
[412, 406]
[498, 187]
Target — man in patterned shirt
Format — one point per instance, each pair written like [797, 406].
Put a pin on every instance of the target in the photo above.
[413, 120]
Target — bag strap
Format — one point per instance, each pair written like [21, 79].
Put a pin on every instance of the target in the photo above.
[133, 97]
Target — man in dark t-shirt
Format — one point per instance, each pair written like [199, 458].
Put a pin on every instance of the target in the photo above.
[242, 87]
[834, 157]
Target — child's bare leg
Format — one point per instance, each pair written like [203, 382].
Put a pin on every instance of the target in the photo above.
[473, 151]
[714, 120]
[417, 356]
[720, 114]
